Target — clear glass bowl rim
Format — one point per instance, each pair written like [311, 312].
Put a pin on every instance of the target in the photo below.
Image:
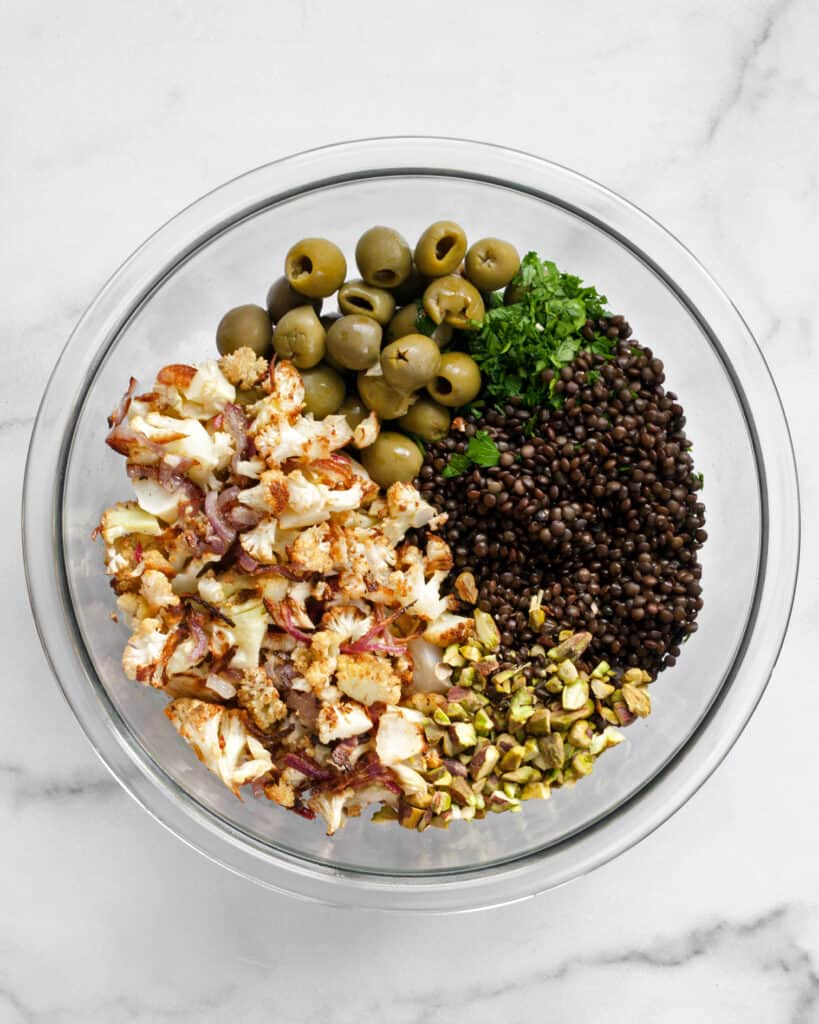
[132, 284]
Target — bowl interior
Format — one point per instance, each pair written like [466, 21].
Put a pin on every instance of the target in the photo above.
[176, 323]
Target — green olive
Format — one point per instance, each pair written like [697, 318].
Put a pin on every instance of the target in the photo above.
[315, 267]
[384, 259]
[406, 320]
[458, 380]
[411, 362]
[282, 297]
[411, 289]
[392, 457]
[300, 337]
[354, 410]
[354, 341]
[244, 326]
[427, 419]
[383, 400]
[491, 263]
[324, 391]
[453, 300]
[440, 249]
[358, 297]
[249, 396]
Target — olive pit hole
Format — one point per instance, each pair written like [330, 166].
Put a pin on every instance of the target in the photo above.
[443, 245]
[385, 276]
[303, 265]
[443, 385]
[361, 302]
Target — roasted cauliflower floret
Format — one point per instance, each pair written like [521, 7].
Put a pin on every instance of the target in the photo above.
[157, 591]
[342, 720]
[400, 735]
[143, 652]
[260, 698]
[260, 542]
[368, 678]
[367, 431]
[317, 661]
[126, 518]
[220, 738]
[243, 368]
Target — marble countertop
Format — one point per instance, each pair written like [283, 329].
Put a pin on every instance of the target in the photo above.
[114, 116]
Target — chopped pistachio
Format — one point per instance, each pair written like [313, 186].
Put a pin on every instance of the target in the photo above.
[523, 774]
[609, 715]
[575, 695]
[637, 700]
[409, 816]
[461, 792]
[530, 749]
[452, 656]
[466, 588]
[467, 676]
[483, 723]
[551, 747]
[538, 723]
[440, 777]
[535, 791]
[603, 740]
[513, 758]
[636, 676]
[434, 733]
[567, 672]
[440, 717]
[385, 813]
[581, 734]
[537, 616]
[484, 761]
[487, 632]
[600, 688]
[463, 733]
[563, 719]
[582, 764]
[455, 712]
[471, 652]
[571, 645]
[441, 802]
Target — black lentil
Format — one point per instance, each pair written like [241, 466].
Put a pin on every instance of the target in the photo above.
[597, 506]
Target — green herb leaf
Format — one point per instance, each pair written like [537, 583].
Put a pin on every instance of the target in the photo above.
[483, 450]
[457, 465]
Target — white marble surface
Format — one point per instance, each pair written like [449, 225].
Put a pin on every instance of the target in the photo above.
[114, 115]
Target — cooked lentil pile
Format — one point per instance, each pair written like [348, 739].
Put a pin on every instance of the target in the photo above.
[593, 503]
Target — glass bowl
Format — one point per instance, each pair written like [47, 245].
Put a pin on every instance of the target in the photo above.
[162, 306]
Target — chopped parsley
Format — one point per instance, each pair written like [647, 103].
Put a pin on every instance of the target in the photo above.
[480, 451]
[543, 330]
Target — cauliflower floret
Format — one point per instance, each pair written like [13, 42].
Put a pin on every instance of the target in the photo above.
[306, 438]
[189, 439]
[317, 662]
[143, 651]
[210, 390]
[220, 738]
[260, 542]
[286, 398]
[368, 678]
[270, 495]
[133, 608]
[251, 468]
[311, 550]
[335, 808]
[421, 595]
[125, 518]
[250, 622]
[342, 720]
[157, 591]
[438, 556]
[280, 792]
[260, 698]
[348, 622]
[405, 510]
[367, 431]
[449, 629]
[400, 735]
[243, 367]
[184, 658]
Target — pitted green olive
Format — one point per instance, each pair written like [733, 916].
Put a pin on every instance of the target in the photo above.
[411, 362]
[354, 410]
[392, 457]
[315, 267]
[440, 249]
[406, 321]
[300, 337]
[282, 297]
[491, 264]
[354, 341]
[245, 326]
[323, 390]
[457, 382]
[359, 297]
[383, 400]
[427, 420]
[384, 259]
[453, 300]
